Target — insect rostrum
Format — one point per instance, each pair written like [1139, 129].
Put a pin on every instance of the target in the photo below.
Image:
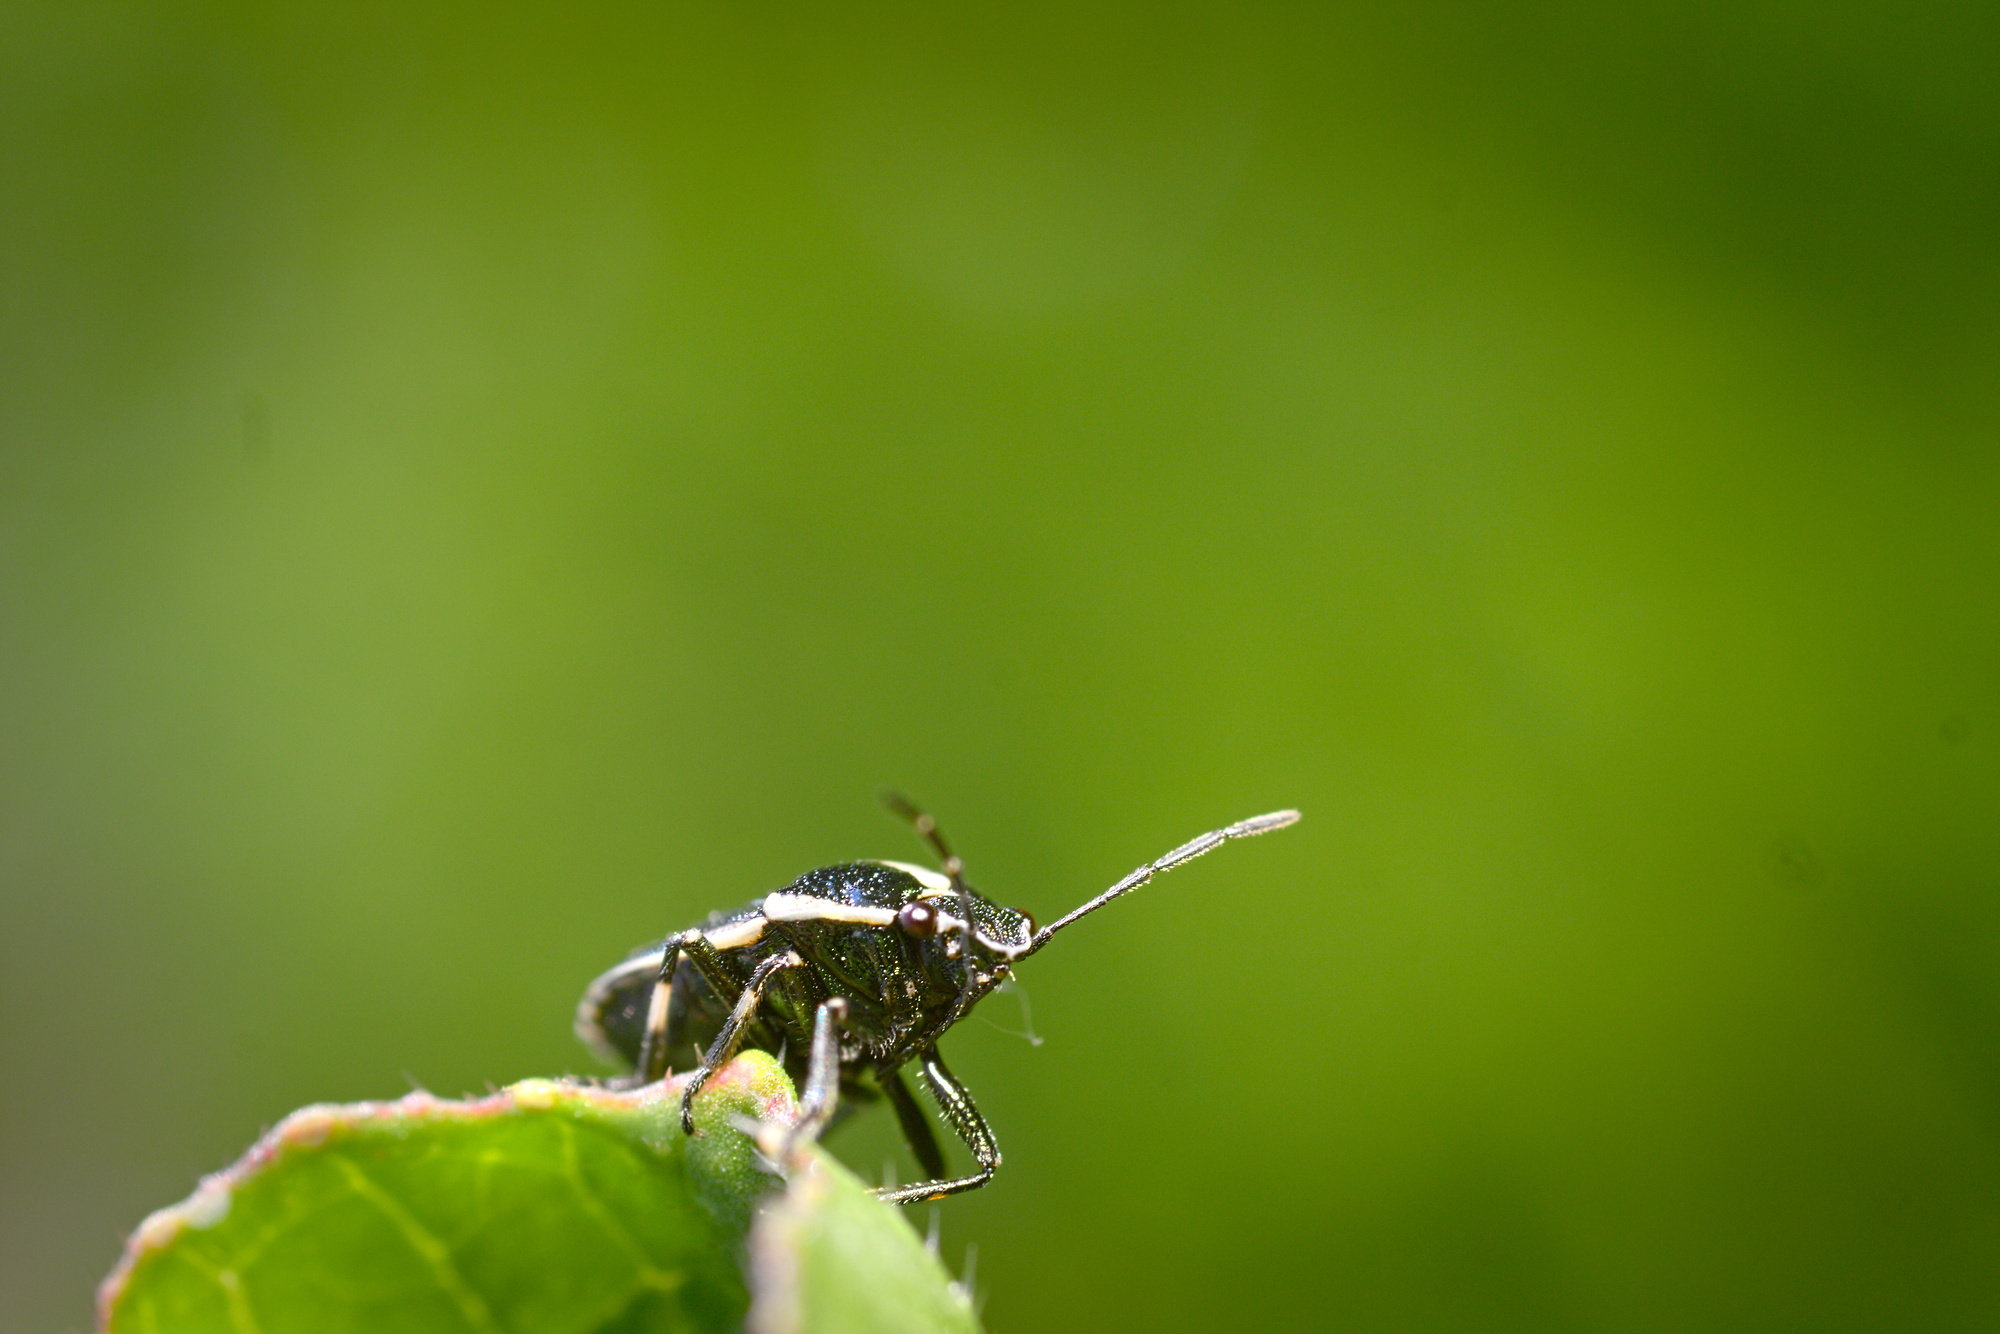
[853, 971]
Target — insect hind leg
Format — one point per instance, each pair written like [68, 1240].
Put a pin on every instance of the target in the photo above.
[694, 946]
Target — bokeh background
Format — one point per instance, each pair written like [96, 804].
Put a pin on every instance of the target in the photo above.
[481, 486]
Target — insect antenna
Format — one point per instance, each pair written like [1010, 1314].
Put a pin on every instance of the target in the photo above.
[954, 869]
[1186, 852]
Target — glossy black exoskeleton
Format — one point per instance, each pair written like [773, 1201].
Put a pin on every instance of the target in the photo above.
[852, 971]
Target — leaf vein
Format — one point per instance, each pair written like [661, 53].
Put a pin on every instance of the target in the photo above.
[241, 1317]
[649, 1275]
[434, 1253]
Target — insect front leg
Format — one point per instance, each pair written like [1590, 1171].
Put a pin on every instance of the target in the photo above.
[731, 1037]
[963, 1116]
[696, 948]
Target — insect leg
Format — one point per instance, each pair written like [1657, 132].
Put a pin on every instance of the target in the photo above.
[693, 946]
[822, 1075]
[1186, 852]
[653, 1046]
[731, 1037]
[701, 952]
[916, 1126]
[963, 1115]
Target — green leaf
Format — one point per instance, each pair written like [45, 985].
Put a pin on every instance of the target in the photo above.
[829, 1258]
[557, 1208]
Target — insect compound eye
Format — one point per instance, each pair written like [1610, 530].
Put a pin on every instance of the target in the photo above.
[917, 919]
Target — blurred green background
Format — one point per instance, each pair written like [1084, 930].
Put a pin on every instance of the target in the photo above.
[482, 486]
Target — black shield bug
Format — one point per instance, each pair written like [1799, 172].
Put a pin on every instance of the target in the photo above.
[852, 972]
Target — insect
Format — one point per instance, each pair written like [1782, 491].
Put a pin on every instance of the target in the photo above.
[850, 973]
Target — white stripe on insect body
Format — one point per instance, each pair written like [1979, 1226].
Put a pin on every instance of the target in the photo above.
[786, 907]
[737, 935]
[934, 882]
